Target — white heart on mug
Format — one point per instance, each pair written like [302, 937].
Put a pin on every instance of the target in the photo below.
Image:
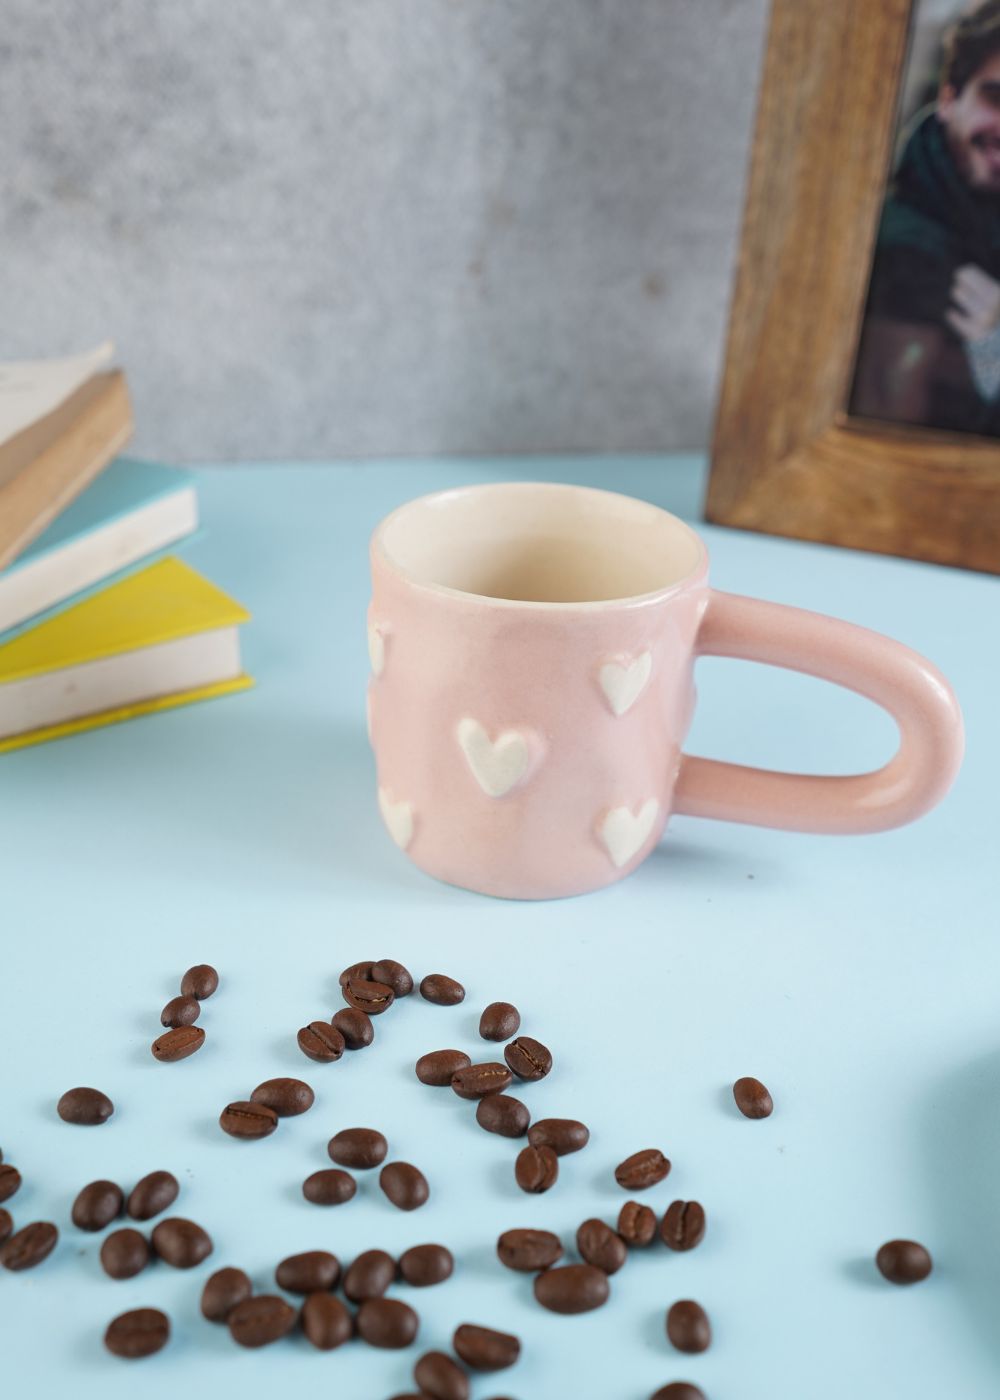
[625, 832]
[376, 649]
[623, 681]
[398, 817]
[497, 764]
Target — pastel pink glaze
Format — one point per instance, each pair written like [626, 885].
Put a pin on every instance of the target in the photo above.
[534, 668]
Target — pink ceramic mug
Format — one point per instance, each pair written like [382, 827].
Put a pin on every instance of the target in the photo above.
[532, 649]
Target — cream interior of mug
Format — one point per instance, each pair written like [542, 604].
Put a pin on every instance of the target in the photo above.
[539, 542]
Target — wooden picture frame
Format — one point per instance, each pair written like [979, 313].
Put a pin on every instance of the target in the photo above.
[786, 458]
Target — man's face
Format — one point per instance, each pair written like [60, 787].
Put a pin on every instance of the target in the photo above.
[971, 119]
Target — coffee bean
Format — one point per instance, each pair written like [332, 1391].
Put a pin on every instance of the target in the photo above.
[683, 1225]
[355, 1026]
[178, 1044]
[370, 997]
[438, 1067]
[222, 1292]
[688, 1327]
[528, 1059]
[141, 1332]
[180, 1011]
[124, 1253]
[642, 1170]
[10, 1181]
[29, 1246]
[256, 1322]
[288, 1097]
[484, 1349]
[572, 1288]
[315, 1271]
[369, 1275]
[153, 1194]
[321, 1041]
[361, 971]
[85, 1106]
[499, 1021]
[423, 1265]
[6, 1225]
[329, 1187]
[598, 1244]
[563, 1135]
[326, 1322]
[245, 1119]
[405, 1186]
[440, 1377]
[97, 1205]
[636, 1224]
[528, 1251]
[679, 1390]
[903, 1261]
[500, 1113]
[360, 1148]
[752, 1099]
[385, 1322]
[181, 1243]
[392, 974]
[200, 982]
[476, 1081]
[536, 1169]
[442, 990]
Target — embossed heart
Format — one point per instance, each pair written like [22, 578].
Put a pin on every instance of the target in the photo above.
[398, 817]
[376, 649]
[624, 832]
[624, 681]
[497, 764]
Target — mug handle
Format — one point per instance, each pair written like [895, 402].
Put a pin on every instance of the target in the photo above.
[912, 690]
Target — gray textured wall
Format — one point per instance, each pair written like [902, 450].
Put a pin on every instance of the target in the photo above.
[337, 227]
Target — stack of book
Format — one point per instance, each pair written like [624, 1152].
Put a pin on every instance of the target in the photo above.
[99, 622]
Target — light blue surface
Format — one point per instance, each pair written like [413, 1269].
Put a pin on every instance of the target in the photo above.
[856, 976]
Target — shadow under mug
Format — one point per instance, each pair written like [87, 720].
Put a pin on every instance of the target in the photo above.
[532, 649]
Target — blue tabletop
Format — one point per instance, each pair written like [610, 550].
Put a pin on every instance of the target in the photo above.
[856, 976]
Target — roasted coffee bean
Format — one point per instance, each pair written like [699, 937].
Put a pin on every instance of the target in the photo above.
[10, 1181]
[369, 1275]
[572, 1288]
[370, 997]
[355, 1026]
[326, 1322]
[97, 1205]
[288, 1097]
[141, 1332]
[598, 1244]
[321, 1041]
[903, 1261]
[563, 1135]
[329, 1187]
[6, 1225]
[476, 1081]
[199, 982]
[683, 1225]
[679, 1390]
[688, 1327]
[528, 1251]
[86, 1106]
[153, 1194]
[258, 1321]
[405, 1186]
[499, 1021]
[124, 1253]
[636, 1224]
[315, 1271]
[181, 1243]
[178, 1044]
[245, 1119]
[222, 1292]
[392, 974]
[642, 1170]
[500, 1113]
[361, 971]
[752, 1099]
[385, 1322]
[442, 990]
[423, 1265]
[360, 1148]
[438, 1067]
[536, 1169]
[29, 1246]
[180, 1011]
[484, 1349]
[440, 1377]
[528, 1059]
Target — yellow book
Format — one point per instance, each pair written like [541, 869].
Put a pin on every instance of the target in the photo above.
[162, 637]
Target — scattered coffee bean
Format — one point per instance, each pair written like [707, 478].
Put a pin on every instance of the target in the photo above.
[85, 1106]
[180, 1011]
[326, 1322]
[392, 974]
[499, 1021]
[405, 1186]
[29, 1246]
[178, 1044]
[442, 990]
[152, 1195]
[245, 1119]
[500, 1113]
[572, 1288]
[370, 997]
[423, 1265]
[688, 1327]
[636, 1224]
[97, 1205]
[256, 1322]
[181, 1243]
[222, 1292]
[385, 1322]
[679, 1390]
[360, 1148]
[10, 1181]
[476, 1081]
[563, 1135]
[329, 1187]
[315, 1271]
[6, 1225]
[528, 1059]
[752, 1099]
[141, 1332]
[598, 1244]
[441, 1378]
[321, 1041]
[683, 1225]
[124, 1253]
[199, 982]
[438, 1067]
[361, 972]
[536, 1169]
[369, 1275]
[528, 1251]
[355, 1026]
[484, 1349]
[903, 1261]
[288, 1097]
[642, 1170]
